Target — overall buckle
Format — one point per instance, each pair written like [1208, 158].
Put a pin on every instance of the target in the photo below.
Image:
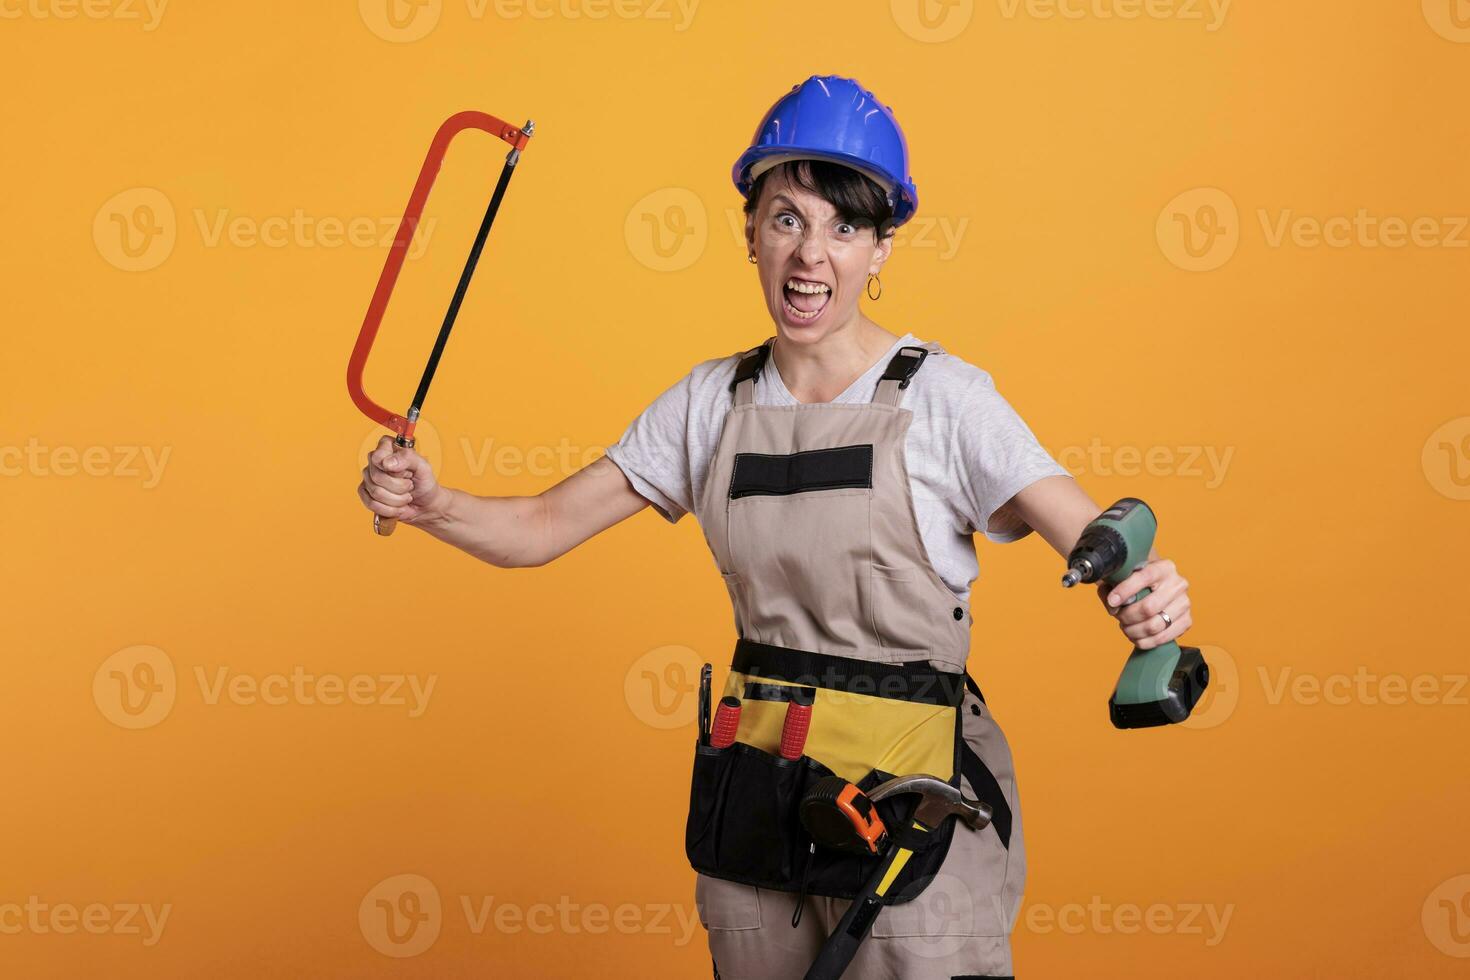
[902, 367]
[751, 364]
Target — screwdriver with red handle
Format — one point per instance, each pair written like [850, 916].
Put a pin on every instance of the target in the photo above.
[727, 720]
[798, 723]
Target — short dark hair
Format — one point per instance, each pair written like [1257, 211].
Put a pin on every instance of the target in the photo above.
[855, 196]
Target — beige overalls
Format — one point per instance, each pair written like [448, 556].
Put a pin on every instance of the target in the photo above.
[808, 512]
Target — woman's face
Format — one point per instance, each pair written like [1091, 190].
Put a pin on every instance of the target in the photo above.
[813, 265]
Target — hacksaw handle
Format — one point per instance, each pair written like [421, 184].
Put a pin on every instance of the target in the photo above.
[384, 526]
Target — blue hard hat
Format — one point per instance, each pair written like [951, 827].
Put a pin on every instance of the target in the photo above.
[828, 117]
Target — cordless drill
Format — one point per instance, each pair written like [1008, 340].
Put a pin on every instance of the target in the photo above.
[1159, 686]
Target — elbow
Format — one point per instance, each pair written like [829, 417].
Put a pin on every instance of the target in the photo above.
[521, 561]
[525, 557]
[535, 548]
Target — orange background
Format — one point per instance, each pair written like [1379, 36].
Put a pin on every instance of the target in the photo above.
[551, 763]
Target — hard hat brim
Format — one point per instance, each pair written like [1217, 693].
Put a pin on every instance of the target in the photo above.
[754, 162]
[763, 164]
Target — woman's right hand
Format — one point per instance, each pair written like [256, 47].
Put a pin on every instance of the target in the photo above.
[399, 483]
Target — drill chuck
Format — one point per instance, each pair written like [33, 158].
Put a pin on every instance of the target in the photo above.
[1099, 553]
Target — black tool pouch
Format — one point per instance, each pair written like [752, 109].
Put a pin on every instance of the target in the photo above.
[870, 722]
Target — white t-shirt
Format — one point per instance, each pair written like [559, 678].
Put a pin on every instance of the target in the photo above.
[967, 450]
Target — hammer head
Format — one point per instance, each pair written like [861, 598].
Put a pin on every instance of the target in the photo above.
[938, 799]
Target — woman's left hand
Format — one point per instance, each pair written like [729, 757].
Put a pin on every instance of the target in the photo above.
[1141, 621]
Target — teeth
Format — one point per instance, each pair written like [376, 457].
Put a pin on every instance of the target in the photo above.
[799, 314]
[797, 286]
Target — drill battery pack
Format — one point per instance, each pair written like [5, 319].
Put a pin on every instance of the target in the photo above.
[1186, 686]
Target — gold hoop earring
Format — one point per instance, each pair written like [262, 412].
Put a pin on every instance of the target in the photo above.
[872, 279]
[751, 257]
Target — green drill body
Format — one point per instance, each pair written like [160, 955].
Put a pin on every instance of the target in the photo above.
[1159, 686]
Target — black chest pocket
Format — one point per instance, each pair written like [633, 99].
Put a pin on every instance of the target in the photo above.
[772, 474]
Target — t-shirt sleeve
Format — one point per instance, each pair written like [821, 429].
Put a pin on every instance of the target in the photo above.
[999, 457]
[654, 452]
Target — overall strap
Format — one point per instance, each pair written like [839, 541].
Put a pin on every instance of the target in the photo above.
[982, 780]
[900, 372]
[748, 372]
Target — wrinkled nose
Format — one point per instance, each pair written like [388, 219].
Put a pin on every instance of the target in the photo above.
[810, 251]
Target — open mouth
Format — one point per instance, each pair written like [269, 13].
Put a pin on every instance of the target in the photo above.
[805, 299]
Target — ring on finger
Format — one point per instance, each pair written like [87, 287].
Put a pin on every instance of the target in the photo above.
[1168, 621]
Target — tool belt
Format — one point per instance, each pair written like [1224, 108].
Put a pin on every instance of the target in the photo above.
[869, 722]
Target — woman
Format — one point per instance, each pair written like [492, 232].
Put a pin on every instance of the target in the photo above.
[839, 472]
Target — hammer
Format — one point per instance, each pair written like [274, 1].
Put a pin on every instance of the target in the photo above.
[938, 800]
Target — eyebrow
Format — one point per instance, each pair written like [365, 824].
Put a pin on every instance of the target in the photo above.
[781, 196]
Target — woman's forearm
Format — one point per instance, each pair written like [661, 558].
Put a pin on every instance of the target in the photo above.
[1059, 510]
[509, 532]
[504, 531]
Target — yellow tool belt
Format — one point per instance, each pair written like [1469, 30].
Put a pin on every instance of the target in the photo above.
[869, 723]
